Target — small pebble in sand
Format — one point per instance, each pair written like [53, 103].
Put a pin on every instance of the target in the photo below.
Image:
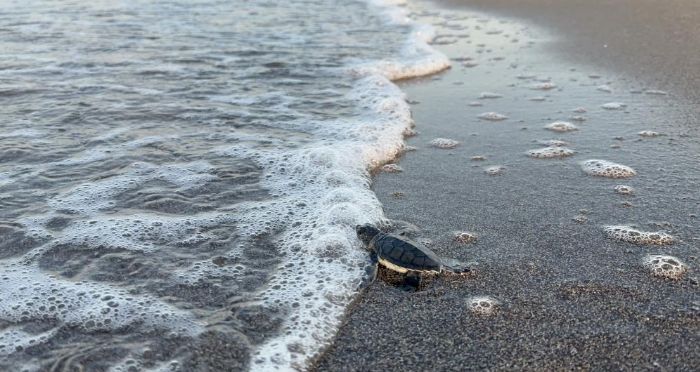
[492, 116]
[649, 133]
[478, 158]
[614, 106]
[604, 168]
[444, 143]
[495, 170]
[544, 86]
[624, 190]
[398, 194]
[580, 219]
[489, 95]
[465, 237]
[561, 127]
[483, 305]
[664, 266]
[392, 168]
[631, 235]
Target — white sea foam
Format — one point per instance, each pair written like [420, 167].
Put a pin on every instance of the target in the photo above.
[327, 226]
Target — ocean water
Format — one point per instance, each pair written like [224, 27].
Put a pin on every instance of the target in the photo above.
[180, 180]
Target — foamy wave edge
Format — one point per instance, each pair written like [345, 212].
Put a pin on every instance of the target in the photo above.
[313, 321]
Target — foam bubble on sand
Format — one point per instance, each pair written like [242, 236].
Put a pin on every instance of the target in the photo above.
[391, 168]
[489, 95]
[579, 110]
[649, 133]
[478, 158]
[444, 143]
[550, 152]
[465, 237]
[604, 88]
[631, 235]
[492, 116]
[614, 106]
[656, 92]
[483, 305]
[495, 170]
[664, 266]
[604, 168]
[578, 118]
[624, 190]
[544, 86]
[475, 104]
[561, 127]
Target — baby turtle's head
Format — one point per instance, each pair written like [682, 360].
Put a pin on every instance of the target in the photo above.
[366, 232]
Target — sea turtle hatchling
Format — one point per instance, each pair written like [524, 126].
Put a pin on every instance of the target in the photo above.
[401, 255]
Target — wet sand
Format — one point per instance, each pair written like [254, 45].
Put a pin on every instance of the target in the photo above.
[653, 40]
[571, 298]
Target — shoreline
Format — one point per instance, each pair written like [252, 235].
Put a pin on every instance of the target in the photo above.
[569, 296]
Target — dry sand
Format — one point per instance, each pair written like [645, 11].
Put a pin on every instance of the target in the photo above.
[571, 298]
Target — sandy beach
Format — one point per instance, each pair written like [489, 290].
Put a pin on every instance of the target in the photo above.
[568, 296]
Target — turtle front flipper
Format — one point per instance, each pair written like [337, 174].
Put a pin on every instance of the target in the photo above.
[413, 279]
[370, 271]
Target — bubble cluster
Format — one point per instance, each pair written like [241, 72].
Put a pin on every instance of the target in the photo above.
[483, 305]
[550, 152]
[656, 92]
[444, 143]
[544, 86]
[664, 266]
[553, 143]
[604, 168]
[561, 127]
[495, 170]
[614, 106]
[391, 168]
[624, 190]
[465, 237]
[492, 116]
[649, 133]
[632, 235]
[489, 95]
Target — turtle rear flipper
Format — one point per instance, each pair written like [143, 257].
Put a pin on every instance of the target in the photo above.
[457, 269]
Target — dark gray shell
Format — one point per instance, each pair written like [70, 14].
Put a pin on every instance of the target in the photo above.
[405, 254]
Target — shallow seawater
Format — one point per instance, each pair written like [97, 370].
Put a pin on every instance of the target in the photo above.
[179, 181]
